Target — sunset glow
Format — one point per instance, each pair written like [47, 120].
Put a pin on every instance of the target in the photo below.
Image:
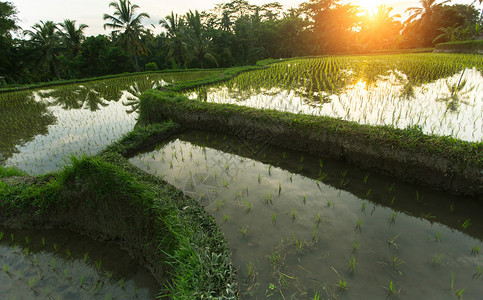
[369, 6]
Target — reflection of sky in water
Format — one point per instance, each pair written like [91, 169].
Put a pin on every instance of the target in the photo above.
[76, 131]
[430, 106]
[301, 207]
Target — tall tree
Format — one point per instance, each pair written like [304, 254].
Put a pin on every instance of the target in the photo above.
[382, 30]
[45, 39]
[197, 38]
[177, 47]
[72, 36]
[423, 18]
[127, 28]
[7, 19]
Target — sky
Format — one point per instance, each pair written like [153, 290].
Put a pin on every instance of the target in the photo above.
[90, 12]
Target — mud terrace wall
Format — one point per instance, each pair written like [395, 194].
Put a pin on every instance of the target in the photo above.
[407, 155]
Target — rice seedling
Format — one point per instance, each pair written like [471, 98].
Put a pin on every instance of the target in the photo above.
[259, 178]
[418, 196]
[368, 193]
[358, 226]
[1, 235]
[352, 264]
[466, 224]
[397, 264]
[478, 273]
[355, 247]
[475, 250]
[363, 206]
[268, 198]
[274, 218]
[294, 216]
[342, 285]
[390, 187]
[436, 261]
[226, 218]
[279, 188]
[366, 177]
[248, 205]
[437, 237]
[244, 230]
[392, 218]
[81, 280]
[393, 242]
[392, 290]
[317, 220]
[459, 293]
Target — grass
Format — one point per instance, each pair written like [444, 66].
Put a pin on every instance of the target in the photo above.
[153, 216]
[156, 106]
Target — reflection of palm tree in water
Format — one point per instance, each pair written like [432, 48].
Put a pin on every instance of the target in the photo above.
[77, 98]
[453, 101]
[135, 91]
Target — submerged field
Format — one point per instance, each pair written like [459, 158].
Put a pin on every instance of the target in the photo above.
[298, 226]
[39, 129]
[440, 93]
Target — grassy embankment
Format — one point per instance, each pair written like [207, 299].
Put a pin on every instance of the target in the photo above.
[475, 47]
[106, 197]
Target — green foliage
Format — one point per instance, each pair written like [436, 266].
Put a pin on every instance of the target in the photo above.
[185, 239]
[152, 66]
[461, 46]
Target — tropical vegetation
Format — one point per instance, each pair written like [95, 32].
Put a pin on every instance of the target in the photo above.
[231, 34]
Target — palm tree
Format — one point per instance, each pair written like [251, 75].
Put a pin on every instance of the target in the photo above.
[127, 28]
[423, 17]
[197, 38]
[73, 36]
[45, 39]
[174, 27]
[448, 33]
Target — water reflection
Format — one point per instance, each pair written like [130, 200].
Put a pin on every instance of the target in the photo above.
[299, 225]
[444, 102]
[21, 119]
[40, 129]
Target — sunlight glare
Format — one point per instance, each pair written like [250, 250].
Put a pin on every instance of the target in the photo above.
[370, 6]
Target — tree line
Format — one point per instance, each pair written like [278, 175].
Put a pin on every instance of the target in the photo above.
[230, 34]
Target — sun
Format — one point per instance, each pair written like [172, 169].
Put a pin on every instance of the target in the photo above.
[369, 5]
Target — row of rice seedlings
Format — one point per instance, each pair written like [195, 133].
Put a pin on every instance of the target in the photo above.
[312, 83]
[277, 186]
[25, 115]
[61, 264]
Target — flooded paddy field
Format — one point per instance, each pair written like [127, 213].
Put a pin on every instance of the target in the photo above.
[300, 226]
[440, 93]
[41, 129]
[59, 264]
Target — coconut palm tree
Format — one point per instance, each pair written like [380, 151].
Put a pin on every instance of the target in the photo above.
[127, 28]
[197, 38]
[46, 41]
[174, 27]
[425, 12]
[72, 36]
[423, 18]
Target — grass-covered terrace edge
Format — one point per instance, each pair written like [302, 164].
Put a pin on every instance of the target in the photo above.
[107, 198]
[440, 162]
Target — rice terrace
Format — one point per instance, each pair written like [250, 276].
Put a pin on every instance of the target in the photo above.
[332, 150]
